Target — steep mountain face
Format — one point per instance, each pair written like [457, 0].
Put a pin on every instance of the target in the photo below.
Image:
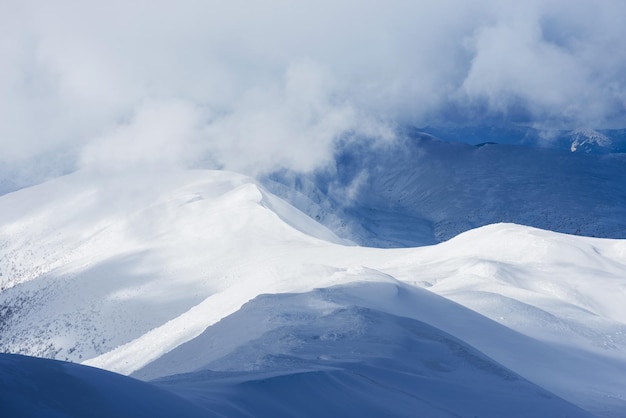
[162, 276]
[419, 190]
[590, 141]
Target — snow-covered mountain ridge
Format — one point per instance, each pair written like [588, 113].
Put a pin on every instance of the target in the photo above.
[163, 274]
[81, 241]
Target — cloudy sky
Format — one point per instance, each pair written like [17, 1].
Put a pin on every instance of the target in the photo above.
[249, 85]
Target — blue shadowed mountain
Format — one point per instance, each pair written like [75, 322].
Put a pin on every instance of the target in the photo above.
[419, 190]
[36, 387]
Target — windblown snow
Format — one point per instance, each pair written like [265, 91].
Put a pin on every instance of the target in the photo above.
[240, 304]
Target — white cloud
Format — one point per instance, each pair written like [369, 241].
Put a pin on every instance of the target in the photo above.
[160, 136]
[559, 60]
[249, 85]
[291, 124]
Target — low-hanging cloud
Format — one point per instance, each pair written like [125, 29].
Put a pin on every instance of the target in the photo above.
[250, 86]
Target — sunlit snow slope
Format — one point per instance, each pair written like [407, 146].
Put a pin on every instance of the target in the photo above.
[149, 277]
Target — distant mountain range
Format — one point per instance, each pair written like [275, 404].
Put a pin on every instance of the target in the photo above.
[419, 190]
[585, 140]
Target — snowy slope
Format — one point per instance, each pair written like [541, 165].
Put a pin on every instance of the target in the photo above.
[548, 306]
[419, 190]
[328, 355]
[90, 259]
[33, 387]
[135, 276]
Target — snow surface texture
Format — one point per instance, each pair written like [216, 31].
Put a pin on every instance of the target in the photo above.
[34, 387]
[151, 278]
[327, 354]
[420, 191]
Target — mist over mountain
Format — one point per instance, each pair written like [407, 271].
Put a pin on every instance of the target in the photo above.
[419, 190]
[203, 84]
[332, 208]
